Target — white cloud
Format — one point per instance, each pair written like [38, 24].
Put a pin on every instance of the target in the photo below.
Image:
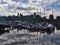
[10, 6]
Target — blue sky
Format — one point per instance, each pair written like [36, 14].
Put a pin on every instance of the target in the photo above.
[12, 7]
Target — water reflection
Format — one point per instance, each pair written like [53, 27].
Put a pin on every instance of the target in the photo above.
[24, 37]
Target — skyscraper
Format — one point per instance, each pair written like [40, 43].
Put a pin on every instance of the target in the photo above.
[34, 15]
[18, 14]
[51, 17]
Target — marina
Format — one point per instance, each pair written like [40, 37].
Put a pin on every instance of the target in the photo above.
[29, 22]
[44, 27]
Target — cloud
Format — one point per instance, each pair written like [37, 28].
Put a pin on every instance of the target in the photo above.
[24, 8]
[56, 5]
[34, 1]
[48, 5]
[21, 8]
[24, 1]
[29, 6]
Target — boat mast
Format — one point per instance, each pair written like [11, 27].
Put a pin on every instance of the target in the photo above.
[37, 11]
[44, 13]
[44, 10]
[40, 11]
[52, 9]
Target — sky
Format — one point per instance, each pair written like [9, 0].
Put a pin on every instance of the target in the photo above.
[27, 7]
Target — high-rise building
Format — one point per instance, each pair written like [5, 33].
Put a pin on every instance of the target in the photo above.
[58, 17]
[44, 17]
[51, 17]
[34, 15]
[18, 14]
[21, 14]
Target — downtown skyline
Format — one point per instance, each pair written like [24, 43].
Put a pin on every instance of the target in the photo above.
[27, 7]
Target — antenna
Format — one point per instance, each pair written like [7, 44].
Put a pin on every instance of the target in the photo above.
[37, 10]
[44, 10]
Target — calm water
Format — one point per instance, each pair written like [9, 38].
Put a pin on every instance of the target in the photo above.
[24, 37]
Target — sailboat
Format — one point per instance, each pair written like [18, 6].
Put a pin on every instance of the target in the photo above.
[49, 27]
